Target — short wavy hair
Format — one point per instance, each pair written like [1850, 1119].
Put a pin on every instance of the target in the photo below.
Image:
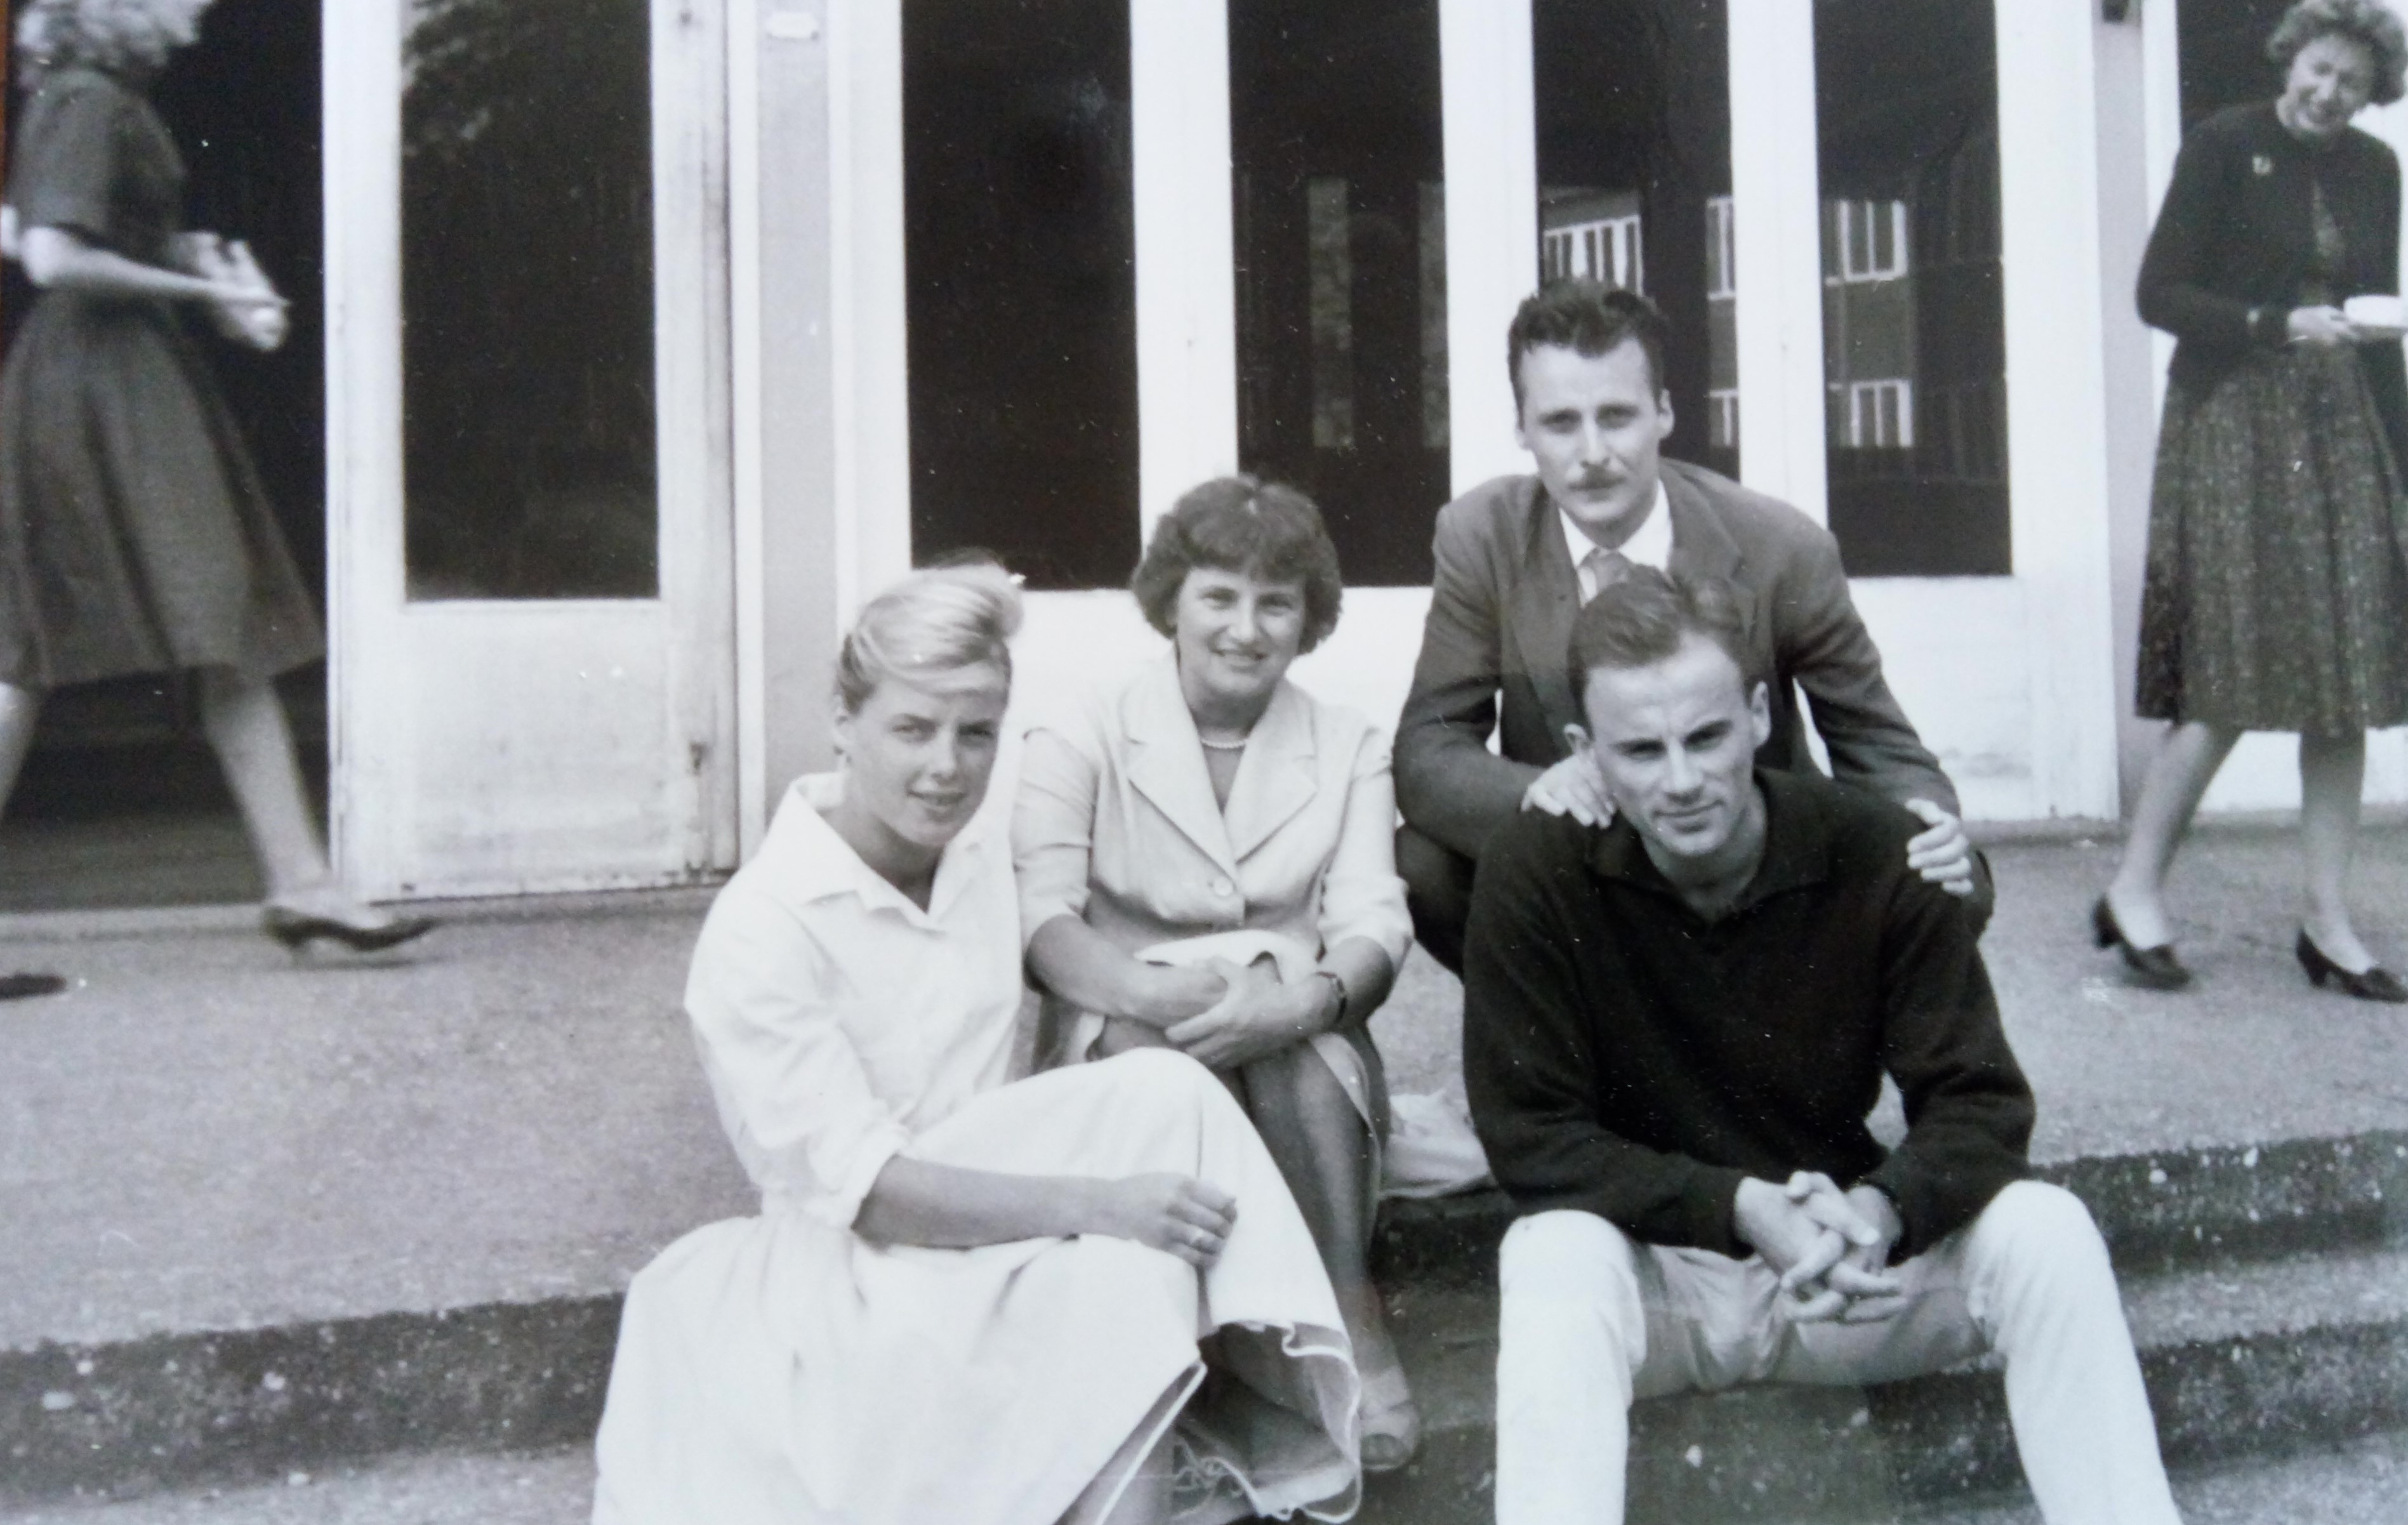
[1264, 530]
[2371, 23]
[938, 620]
[1588, 317]
[1643, 618]
[92, 34]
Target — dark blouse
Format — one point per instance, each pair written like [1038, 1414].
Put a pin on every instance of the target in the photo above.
[2235, 246]
[94, 157]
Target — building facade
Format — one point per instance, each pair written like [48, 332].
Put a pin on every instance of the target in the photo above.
[619, 440]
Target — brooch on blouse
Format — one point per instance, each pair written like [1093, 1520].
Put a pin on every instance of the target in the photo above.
[2261, 164]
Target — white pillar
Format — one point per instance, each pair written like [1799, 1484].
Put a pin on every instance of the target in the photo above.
[1776, 201]
[868, 300]
[1186, 248]
[2162, 109]
[1492, 222]
[2056, 433]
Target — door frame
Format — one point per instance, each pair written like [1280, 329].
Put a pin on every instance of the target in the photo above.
[381, 643]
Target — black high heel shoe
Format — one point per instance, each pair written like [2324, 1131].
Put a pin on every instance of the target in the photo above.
[2375, 984]
[297, 929]
[2155, 967]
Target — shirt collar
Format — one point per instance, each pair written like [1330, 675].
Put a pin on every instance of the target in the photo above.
[806, 861]
[1797, 847]
[1650, 545]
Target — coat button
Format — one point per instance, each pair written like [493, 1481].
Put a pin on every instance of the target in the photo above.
[1222, 887]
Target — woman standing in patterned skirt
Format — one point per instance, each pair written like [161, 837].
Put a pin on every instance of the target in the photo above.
[2277, 593]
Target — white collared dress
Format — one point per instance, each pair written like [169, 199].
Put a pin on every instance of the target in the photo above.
[781, 1370]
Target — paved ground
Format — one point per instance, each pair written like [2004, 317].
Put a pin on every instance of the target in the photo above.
[205, 1133]
[2357, 1486]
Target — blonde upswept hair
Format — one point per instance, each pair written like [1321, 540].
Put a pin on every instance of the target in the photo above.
[92, 34]
[938, 620]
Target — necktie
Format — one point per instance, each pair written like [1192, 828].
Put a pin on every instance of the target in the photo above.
[1604, 568]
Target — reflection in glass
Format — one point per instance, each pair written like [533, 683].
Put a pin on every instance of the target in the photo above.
[1914, 325]
[1634, 175]
[1019, 251]
[1340, 223]
[527, 300]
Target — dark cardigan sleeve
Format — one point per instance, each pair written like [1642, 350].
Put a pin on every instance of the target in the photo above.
[2173, 291]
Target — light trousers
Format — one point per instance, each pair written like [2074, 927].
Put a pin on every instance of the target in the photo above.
[1593, 1319]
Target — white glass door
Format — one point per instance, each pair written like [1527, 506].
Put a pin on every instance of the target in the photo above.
[532, 664]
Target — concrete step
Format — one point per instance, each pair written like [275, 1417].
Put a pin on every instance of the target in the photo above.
[2242, 1358]
[2357, 1484]
[2310, 1347]
[2157, 1209]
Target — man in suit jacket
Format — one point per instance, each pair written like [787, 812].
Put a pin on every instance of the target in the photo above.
[1518, 556]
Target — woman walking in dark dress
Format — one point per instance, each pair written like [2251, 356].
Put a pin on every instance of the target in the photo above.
[135, 536]
[2277, 593]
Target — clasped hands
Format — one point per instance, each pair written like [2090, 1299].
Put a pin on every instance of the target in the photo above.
[1832, 1247]
[1229, 1014]
[1942, 854]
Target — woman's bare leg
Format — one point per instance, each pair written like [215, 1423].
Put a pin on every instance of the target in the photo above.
[18, 710]
[1323, 1148]
[246, 726]
[2178, 775]
[2332, 776]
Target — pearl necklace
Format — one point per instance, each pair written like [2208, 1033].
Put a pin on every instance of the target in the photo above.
[1237, 745]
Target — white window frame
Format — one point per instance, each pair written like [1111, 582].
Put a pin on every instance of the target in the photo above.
[1722, 265]
[1722, 418]
[1608, 249]
[1854, 222]
[1868, 428]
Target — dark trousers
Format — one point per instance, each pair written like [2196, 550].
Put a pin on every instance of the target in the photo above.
[1438, 892]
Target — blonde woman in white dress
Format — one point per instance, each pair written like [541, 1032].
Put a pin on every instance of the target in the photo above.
[964, 1300]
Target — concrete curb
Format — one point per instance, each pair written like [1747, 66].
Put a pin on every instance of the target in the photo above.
[177, 1409]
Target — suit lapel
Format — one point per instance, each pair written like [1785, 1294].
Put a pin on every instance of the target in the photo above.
[1545, 601]
[1276, 775]
[1167, 761]
[1700, 546]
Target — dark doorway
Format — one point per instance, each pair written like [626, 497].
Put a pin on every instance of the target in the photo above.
[121, 802]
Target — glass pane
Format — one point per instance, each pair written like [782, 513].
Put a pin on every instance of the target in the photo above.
[1914, 329]
[1021, 251]
[1634, 185]
[1341, 218]
[527, 300]
[2223, 55]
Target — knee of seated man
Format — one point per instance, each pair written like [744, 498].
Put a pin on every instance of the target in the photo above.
[2036, 1223]
[1566, 1256]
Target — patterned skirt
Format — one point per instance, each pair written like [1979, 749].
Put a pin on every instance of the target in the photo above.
[2276, 594]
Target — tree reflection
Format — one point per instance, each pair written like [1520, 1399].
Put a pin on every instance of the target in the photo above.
[527, 299]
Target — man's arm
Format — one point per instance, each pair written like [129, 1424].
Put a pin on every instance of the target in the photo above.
[1449, 785]
[1968, 1108]
[1821, 642]
[1529, 1065]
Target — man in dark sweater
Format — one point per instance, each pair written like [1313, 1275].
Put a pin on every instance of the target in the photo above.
[1674, 1027]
